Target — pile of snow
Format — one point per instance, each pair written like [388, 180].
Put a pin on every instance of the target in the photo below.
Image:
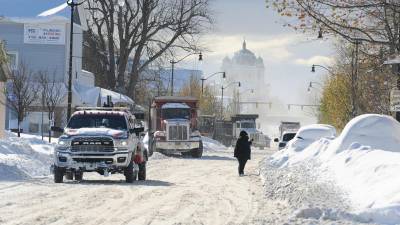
[365, 163]
[210, 144]
[25, 157]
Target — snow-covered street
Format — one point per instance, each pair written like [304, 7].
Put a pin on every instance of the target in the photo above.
[179, 191]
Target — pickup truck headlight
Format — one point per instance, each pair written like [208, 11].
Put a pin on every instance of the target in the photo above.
[64, 143]
[120, 143]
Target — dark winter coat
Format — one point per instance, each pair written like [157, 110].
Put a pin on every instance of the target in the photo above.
[242, 148]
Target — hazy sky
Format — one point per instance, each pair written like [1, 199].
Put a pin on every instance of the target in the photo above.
[287, 55]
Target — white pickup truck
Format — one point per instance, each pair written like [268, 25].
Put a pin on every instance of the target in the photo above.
[102, 140]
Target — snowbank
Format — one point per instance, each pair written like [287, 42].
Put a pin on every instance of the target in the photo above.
[365, 163]
[25, 157]
[210, 144]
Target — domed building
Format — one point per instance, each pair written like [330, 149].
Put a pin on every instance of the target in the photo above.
[249, 70]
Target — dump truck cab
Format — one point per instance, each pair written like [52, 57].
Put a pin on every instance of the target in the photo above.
[173, 126]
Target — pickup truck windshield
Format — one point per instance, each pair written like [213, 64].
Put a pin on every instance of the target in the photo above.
[175, 113]
[116, 122]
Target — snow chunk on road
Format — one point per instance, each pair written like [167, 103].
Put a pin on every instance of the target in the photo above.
[364, 161]
[22, 158]
[210, 144]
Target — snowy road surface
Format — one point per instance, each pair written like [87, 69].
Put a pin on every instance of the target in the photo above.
[179, 191]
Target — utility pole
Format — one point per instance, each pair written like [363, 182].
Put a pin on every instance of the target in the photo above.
[172, 77]
[72, 4]
[354, 76]
[222, 102]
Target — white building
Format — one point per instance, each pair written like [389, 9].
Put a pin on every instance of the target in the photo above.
[248, 69]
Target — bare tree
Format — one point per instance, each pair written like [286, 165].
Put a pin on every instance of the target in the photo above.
[370, 21]
[21, 93]
[145, 30]
[52, 94]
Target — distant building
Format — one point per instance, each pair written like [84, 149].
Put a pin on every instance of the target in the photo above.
[245, 67]
[248, 69]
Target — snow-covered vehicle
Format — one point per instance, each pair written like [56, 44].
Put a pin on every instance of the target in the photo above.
[173, 126]
[103, 140]
[309, 134]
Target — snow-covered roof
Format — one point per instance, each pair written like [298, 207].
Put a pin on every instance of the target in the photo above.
[175, 106]
[36, 20]
[116, 97]
[95, 96]
[79, 18]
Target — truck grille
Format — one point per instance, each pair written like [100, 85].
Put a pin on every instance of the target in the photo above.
[178, 133]
[92, 144]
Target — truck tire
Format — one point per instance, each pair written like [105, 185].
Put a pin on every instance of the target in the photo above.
[69, 175]
[198, 152]
[58, 174]
[130, 175]
[78, 176]
[142, 171]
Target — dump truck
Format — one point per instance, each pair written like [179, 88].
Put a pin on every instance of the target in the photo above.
[173, 126]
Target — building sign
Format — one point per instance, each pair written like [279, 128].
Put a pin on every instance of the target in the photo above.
[46, 34]
[395, 100]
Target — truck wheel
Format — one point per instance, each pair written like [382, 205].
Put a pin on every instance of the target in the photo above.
[142, 171]
[69, 175]
[130, 174]
[58, 174]
[198, 152]
[78, 176]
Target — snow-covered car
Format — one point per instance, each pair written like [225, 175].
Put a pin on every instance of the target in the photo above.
[102, 140]
[309, 134]
[285, 138]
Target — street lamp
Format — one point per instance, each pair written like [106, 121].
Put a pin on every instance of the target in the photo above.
[311, 85]
[203, 79]
[72, 4]
[173, 66]
[222, 95]
[315, 65]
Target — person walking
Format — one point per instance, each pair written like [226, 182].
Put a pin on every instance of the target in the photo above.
[242, 151]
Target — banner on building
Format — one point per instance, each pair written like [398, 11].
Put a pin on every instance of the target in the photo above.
[46, 34]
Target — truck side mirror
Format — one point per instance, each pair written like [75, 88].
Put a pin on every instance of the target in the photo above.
[57, 129]
[276, 140]
[136, 130]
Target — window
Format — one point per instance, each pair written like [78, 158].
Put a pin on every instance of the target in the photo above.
[13, 60]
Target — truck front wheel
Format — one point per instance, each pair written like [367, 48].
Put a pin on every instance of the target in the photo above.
[130, 174]
[58, 174]
[198, 152]
[78, 176]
